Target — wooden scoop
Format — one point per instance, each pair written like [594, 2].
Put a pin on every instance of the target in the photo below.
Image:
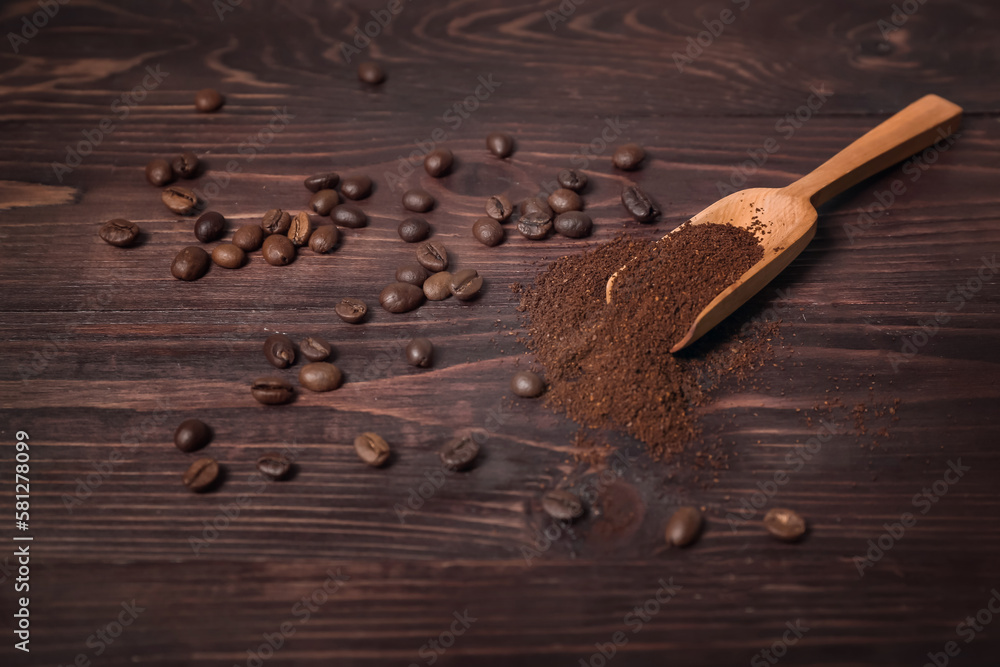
[789, 214]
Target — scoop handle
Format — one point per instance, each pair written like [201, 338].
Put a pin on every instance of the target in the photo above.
[929, 120]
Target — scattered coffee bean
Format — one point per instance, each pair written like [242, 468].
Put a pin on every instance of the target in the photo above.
[499, 207]
[159, 172]
[248, 238]
[370, 72]
[228, 255]
[274, 465]
[784, 524]
[563, 200]
[324, 239]
[419, 352]
[276, 221]
[320, 376]
[500, 144]
[272, 390]
[318, 182]
[279, 350]
[323, 201]
[488, 231]
[527, 384]
[465, 284]
[628, 156]
[356, 187]
[438, 286]
[191, 435]
[573, 224]
[185, 165]
[207, 100]
[638, 204]
[535, 225]
[179, 200]
[417, 200]
[401, 297]
[349, 216]
[571, 179]
[209, 226]
[413, 230]
[438, 162]
[315, 348]
[351, 310]
[562, 505]
[202, 475]
[412, 273]
[190, 263]
[301, 229]
[372, 449]
[119, 232]
[536, 205]
[459, 453]
[684, 526]
[278, 250]
[433, 256]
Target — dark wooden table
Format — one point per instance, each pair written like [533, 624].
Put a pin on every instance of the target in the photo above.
[105, 353]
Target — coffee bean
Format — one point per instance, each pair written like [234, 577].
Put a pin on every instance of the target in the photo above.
[499, 207]
[370, 72]
[119, 232]
[202, 475]
[527, 384]
[562, 505]
[207, 100]
[159, 172]
[228, 256]
[465, 284]
[179, 200]
[500, 144]
[401, 297]
[413, 230]
[318, 182]
[372, 449]
[433, 256]
[419, 352]
[301, 229]
[563, 200]
[320, 376]
[459, 453]
[356, 187]
[417, 200]
[272, 390]
[349, 216]
[324, 239]
[684, 526]
[248, 238]
[209, 226]
[628, 156]
[573, 224]
[191, 435]
[315, 348]
[278, 250]
[279, 350]
[535, 225]
[190, 263]
[438, 286]
[412, 273]
[438, 162]
[571, 179]
[784, 524]
[488, 231]
[638, 204]
[536, 205]
[323, 201]
[351, 310]
[274, 465]
[185, 165]
[276, 221]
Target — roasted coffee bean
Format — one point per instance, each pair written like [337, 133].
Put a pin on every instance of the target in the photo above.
[315, 348]
[417, 200]
[413, 230]
[488, 231]
[301, 229]
[459, 453]
[272, 390]
[372, 449]
[419, 352]
[573, 224]
[351, 310]
[202, 475]
[278, 250]
[563, 200]
[185, 165]
[465, 284]
[191, 435]
[401, 297]
[534, 225]
[438, 162]
[209, 226]
[324, 239]
[536, 205]
[412, 273]
[274, 465]
[499, 207]
[684, 526]
[438, 286]
[228, 255]
[190, 263]
[433, 256]
[276, 221]
[248, 238]
[207, 100]
[179, 200]
[119, 232]
[628, 156]
[323, 201]
[320, 376]
[349, 216]
[318, 182]
[638, 204]
[784, 524]
[571, 179]
[562, 505]
[356, 187]
[159, 172]
[527, 384]
[279, 350]
[370, 72]
[500, 144]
